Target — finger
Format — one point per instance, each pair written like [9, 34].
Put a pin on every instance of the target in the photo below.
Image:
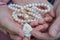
[54, 29]
[41, 21]
[41, 27]
[4, 1]
[45, 26]
[40, 35]
[52, 12]
[15, 37]
[1, 3]
[34, 23]
[3, 29]
[25, 38]
[11, 26]
[58, 35]
[48, 18]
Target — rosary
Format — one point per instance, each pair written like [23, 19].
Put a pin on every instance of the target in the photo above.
[27, 14]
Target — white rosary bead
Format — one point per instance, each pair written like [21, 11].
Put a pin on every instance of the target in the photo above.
[46, 11]
[30, 9]
[36, 4]
[30, 5]
[33, 4]
[31, 20]
[27, 5]
[28, 20]
[25, 16]
[36, 16]
[39, 4]
[20, 14]
[45, 4]
[35, 19]
[42, 10]
[22, 21]
[33, 10]
[17, 5]
[18, 10]
[42, 4]
[19, 21]
[49, 9]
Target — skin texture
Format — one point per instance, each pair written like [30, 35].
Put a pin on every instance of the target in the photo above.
[36, 32]
[3, 36]
[12, 26]
[4, 1]
[55, 27]
[54, 30]
[7, 21]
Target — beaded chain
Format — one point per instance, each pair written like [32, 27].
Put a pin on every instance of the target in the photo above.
[28, 13]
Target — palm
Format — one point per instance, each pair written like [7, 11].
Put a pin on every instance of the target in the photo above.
[7, 21]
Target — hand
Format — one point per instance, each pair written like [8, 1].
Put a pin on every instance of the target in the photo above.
[7, 21]
[37, 31]
[46, 18]
[16, 37]
[55, 27]
[4, 1]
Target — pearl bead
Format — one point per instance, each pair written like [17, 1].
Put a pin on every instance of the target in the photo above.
[32, 11]
[42, 4]
[33, 4]
[28, 20]
[19, 20]
[32, 20]
[49, 9]
[39, 4]
[42, 10]
[46, 11]
[26, 16]
[39, 10]
[45, 4]
[35, 19]
[33, 14]
[27, 5]
[30, 4]
[36, 4]
[22, 21]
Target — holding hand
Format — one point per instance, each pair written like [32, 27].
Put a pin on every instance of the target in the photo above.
[7, 21]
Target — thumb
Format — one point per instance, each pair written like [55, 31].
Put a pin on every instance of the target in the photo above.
[7, 21]
[54, 29]
[12, 26]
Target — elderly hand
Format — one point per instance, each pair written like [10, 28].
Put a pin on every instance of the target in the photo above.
[48, 18]
[55, 27]
[7, 21]
[36, 32]
[4, 1]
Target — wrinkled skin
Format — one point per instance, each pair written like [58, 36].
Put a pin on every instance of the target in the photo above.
[4, 1]
[36, 31]
[7, 21]
[54, 30]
